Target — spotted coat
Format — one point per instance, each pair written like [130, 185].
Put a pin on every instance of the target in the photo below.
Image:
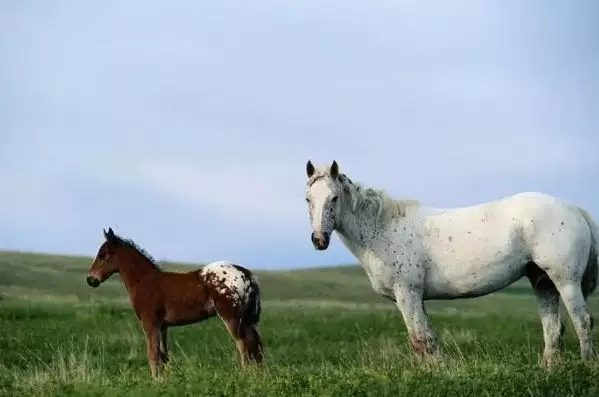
[230, 281]
[412, 253]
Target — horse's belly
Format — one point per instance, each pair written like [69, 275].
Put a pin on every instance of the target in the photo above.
[183, 315]
[474, 261]
[187, 306]
[455, 282]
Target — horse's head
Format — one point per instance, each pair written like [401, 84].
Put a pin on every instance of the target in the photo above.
[322, 195]
[106, 262]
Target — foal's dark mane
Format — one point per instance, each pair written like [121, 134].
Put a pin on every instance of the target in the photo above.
[131, 244]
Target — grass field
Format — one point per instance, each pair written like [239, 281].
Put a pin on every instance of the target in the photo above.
[325, 332]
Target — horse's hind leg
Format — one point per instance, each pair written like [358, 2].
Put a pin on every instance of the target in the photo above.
[548, 300]
[163, 351]
[253, 344]
[238, 334]
[586, 294]
[574, 301]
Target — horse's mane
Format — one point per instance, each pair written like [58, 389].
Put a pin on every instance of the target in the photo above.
[131, 244]
[375, 202]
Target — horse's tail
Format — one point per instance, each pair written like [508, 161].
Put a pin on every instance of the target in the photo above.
[249, 320]
[251, 315]
[591, 273]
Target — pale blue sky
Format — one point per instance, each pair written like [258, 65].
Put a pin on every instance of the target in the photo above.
[186, 125]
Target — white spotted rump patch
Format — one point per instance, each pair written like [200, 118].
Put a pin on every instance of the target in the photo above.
[228, 281]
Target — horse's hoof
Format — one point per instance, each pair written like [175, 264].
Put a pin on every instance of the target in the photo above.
[548, 362]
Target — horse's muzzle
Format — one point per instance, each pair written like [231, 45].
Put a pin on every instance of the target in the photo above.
[92, 281]
[321, 241]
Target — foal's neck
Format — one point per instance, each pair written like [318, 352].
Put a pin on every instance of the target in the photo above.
[133, 269]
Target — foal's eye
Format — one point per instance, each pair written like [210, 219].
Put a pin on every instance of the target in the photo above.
[307, 200]
[334, 199]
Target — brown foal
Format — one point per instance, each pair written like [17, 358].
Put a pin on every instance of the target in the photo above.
[162, 299]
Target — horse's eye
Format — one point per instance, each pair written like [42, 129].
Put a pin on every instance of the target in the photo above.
[334, 199]
[307, 200]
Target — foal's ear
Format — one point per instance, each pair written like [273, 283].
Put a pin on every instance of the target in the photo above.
[109, 236]
[334, 170]
[310, 169]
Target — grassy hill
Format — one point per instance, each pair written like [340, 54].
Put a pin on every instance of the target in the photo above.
[34, 279]
[42, 277]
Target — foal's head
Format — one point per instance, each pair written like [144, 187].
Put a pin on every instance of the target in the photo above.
[106, 262]
[322, 195]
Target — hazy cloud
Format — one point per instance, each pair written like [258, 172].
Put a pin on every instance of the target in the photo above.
[187, 125]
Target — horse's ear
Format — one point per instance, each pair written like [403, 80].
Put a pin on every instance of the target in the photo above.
[310, 169]
[334, 170]
[109, 235]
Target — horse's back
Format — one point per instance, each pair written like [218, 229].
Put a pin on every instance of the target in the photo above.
[187, 297]
[554, 229]
[478, 249]
[517, 208]
[512, 202]
[553, 232]
[510, 227]
[539, 213]
[231, 281]
[230, 272]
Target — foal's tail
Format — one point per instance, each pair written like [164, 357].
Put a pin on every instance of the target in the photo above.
[249, 320]
[251, 315]
[591, 273]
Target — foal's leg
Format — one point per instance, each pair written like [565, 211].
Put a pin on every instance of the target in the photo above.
[548, 302]
[575, 303]
[238, 335]
[423, 338]
[253, 344]
[163, 351]
[152, 332]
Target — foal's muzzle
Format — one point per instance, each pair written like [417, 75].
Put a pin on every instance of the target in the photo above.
[92, 281]
[321, 240]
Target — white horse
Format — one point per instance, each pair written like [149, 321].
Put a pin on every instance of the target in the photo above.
[412, 253]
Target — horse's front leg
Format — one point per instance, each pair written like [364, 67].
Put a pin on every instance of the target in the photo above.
[152, 332]
[423, 338]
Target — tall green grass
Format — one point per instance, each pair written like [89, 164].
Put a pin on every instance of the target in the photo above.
[333, 338]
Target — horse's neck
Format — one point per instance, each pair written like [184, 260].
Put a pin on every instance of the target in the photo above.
[367, 237]
[360, 232]
[135, 269]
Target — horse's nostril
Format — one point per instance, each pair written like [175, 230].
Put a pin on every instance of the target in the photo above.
[320, 241]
